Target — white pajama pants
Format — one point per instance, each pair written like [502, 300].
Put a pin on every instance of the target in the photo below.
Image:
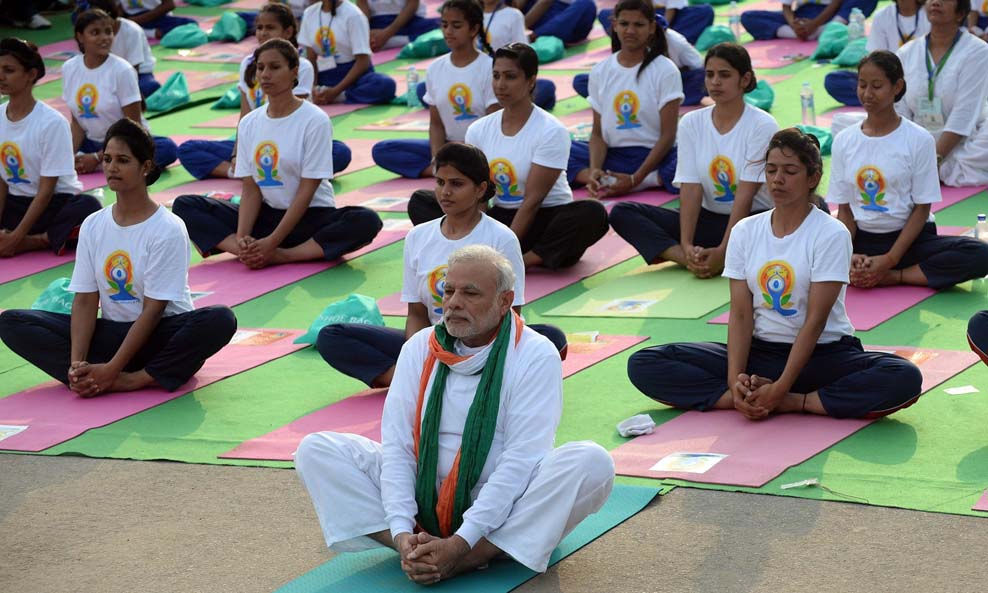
[342, 473]
[967, 163]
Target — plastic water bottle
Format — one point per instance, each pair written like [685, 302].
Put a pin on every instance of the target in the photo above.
[981, 229]
[806, 101]
[411, 95]
[734, 20]
[856, 25]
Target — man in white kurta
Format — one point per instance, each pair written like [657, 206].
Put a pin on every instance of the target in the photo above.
[529, 495]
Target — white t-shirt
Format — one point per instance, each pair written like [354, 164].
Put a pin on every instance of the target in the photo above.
[503, 26]
[888, 28]
[40, 145]
[681, 51]
[139, 6]
[779, 272]
[126, 263]
[883, 178]
[255, 96]
[389, 7]
[543, 140]
[285, 150]
[426, 252]
[629, 106]
[673, 4]
[959, 86]
[131, 44]
[799, 3]
[462, 95]
[97, 97]
[335, 39]
[718, 162]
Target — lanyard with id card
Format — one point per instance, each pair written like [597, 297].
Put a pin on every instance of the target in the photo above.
[326, 59]
[930, 108]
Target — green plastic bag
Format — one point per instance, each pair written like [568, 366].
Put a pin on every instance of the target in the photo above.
[229, 100]
[833, 40]
[230, 27]
[356, 308]
[713, 35]
[762, 97]
[823, 135]
[428, 45]
[56, 298]
[184, 37]
[173, 93]
[852, 53]
[549, 49]
[207, 2]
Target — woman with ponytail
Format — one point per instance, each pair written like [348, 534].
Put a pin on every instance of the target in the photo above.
[217, 158]
[635, 95]
[717, 174]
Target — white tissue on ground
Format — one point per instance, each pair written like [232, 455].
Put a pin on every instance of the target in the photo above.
[636, 426]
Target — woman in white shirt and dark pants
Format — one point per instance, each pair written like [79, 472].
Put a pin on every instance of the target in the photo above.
[790, 346]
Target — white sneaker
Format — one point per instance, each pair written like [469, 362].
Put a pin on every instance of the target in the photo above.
[39, 22]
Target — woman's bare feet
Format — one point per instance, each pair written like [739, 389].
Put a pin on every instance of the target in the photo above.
[131, 381]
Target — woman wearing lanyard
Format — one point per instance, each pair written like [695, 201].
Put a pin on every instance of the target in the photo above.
[892, 27]
[946, 96]
[336, 39]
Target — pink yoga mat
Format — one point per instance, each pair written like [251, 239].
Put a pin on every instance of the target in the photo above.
[412, 121]
[982, 504]
[217, 52]
[53, 414]
[539, 282]
[223, 280]
[361, 413]
[386, 196]
[202, 187]
[952, 195]
[584, 61]
[777, 53]
[757, 452]
[232, 119]
[32, 262]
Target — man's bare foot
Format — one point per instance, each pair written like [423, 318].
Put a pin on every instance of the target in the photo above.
[131, 381]
[34, 243]
[479, 557]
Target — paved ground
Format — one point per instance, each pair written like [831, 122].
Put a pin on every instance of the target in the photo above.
[105, 526]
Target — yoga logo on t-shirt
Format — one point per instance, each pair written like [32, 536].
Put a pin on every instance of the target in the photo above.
[135, 4]
[86, 99]
[626, 107]
[776, 280]
[437, 288]
[13, 162]
[871, 187]
[256, 96]
[722, 174]
[460, 98]
[266, 159]
[120, 274]
[505, 180]
[326, 41]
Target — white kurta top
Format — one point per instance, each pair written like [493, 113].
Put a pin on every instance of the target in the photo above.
[531, 406]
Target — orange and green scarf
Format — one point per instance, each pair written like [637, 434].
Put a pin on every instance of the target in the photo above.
[441, 512]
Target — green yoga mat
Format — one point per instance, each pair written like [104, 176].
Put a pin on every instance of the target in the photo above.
[378, 570]
[667, 291]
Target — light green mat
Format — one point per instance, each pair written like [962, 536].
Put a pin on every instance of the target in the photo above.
[374, 571]
[667, 290]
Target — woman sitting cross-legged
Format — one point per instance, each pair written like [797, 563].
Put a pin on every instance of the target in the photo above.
[884, 176]
[216, 158]
[635, 95]
[132, 264]
[286, 213]
[41, 206]
[458, 93]
[718, 174]
[369, 353]
[528, 150]
[790, 346]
